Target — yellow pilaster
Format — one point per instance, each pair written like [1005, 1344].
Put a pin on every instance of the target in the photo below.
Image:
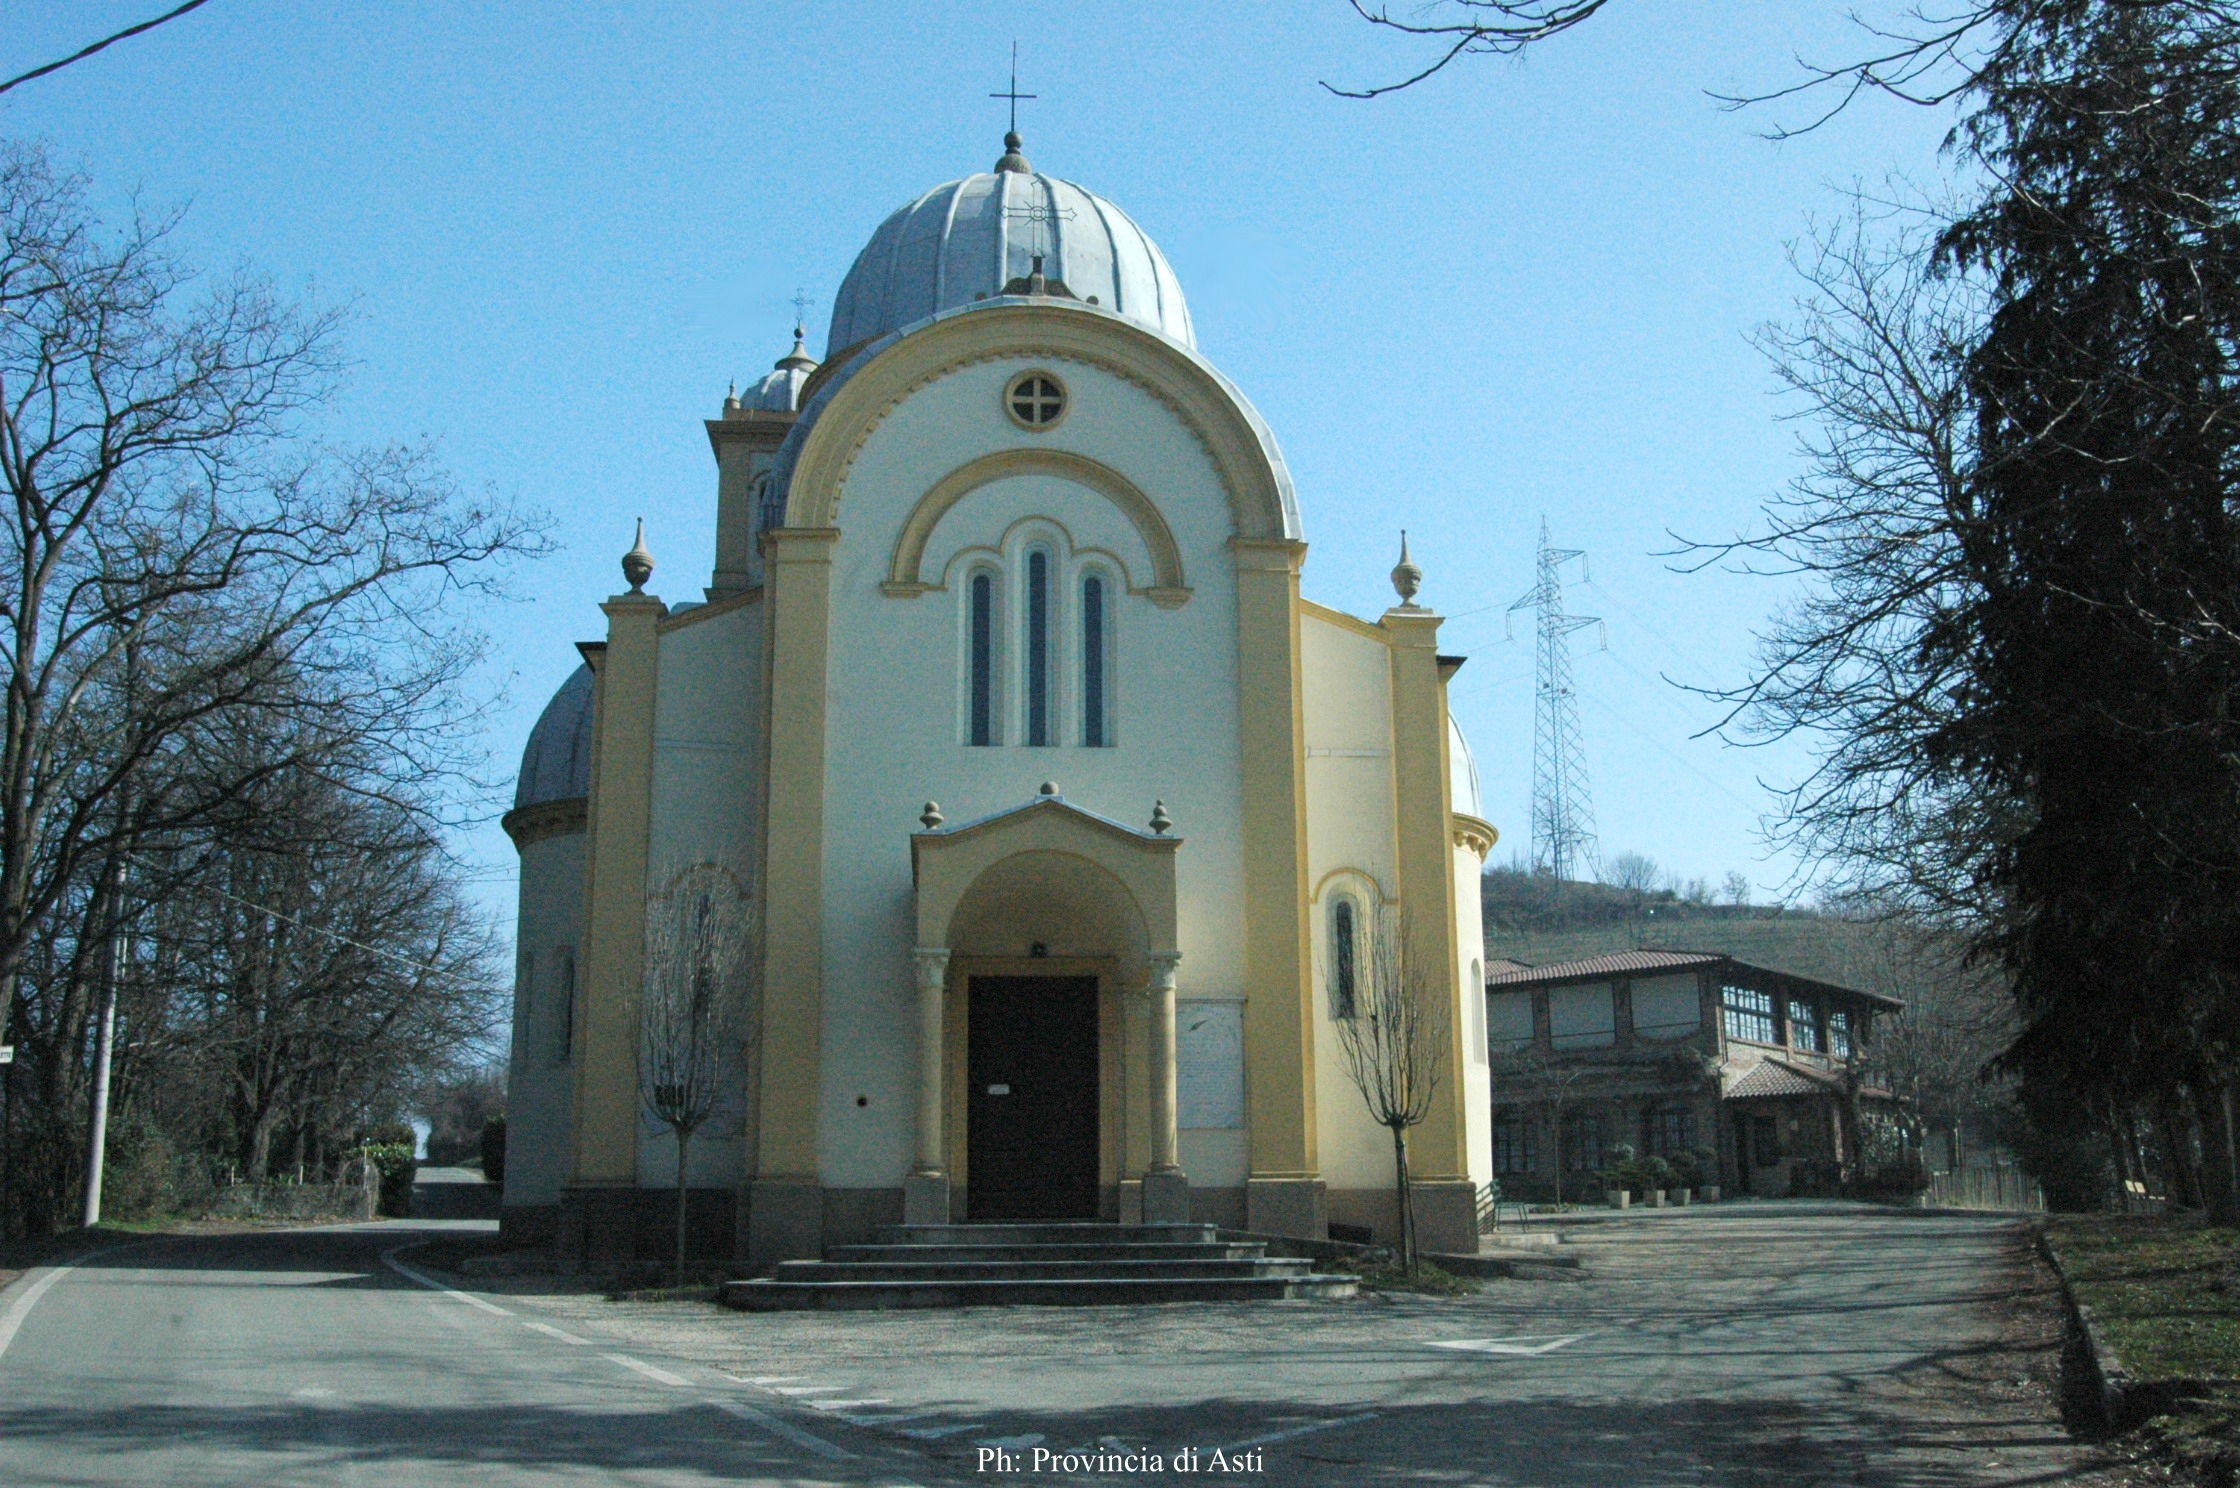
[618, 821]
[800, 568]
[1279, 1008]
[1439, 1149]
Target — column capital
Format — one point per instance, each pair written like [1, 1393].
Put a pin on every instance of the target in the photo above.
[933, 959]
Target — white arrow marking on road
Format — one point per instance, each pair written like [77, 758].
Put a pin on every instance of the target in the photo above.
[1529, 1344]
[1307, 1430]
[647, 1370]
[776, 1427]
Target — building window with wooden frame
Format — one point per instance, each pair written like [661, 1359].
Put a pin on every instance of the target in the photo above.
[1582, 1142]
[1512, 1143]
[1748, 1013]
[1804, 1027]
[1671, 1131]
[1839, 1034]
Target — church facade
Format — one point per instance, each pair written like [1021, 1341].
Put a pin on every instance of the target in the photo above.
[1061, 820]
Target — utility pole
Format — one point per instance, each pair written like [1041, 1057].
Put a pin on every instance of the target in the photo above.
[1563, 835]
[104, 1043]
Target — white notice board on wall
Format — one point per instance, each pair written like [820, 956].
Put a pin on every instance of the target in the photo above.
[1209, 1065]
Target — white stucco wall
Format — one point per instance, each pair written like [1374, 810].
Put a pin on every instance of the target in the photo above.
[896, 692]
[539, 1088]
[703, 812]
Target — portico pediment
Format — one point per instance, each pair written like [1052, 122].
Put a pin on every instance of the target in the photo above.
[1117, 878]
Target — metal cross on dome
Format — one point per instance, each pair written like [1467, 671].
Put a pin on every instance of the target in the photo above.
[1040, 215]
[1014, 94]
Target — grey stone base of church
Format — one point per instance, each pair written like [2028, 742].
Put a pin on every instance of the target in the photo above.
[1287, 1206]
[1446, 1215]
[523, 1226]
[598, 1229]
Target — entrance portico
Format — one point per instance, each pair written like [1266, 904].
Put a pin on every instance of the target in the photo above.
[1046, 967]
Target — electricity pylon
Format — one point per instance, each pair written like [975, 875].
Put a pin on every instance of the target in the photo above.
[1563, 836]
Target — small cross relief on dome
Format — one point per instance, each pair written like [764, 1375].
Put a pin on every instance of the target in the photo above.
[1035, 400]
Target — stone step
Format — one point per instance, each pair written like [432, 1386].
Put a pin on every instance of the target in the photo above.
[1061, 1232]
[986, 1270]
[1223, 1250]
[837, 1296]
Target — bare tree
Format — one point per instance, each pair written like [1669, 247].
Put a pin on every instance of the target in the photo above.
[699, 931]
[1395, 1044]
[1550, 1085]
[1737, 888]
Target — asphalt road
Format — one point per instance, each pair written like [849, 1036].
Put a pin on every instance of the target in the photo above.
[1745, 1346]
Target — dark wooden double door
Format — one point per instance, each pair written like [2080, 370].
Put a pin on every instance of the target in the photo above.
[1031, 1107]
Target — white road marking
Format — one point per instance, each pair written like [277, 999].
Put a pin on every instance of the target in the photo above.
[786, 1429]
[648, 1370]
[313, 1392]
[1529, 1344]
[764, 1379]
[1031, 1439]
[935, 1433]
[1307, 1430]
[837, 1405]
[804, 1389]
[390, 1260]
[551, 1332]
[888, 1418]
[20, 1309]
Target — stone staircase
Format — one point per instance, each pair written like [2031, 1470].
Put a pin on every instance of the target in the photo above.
[1050, 1265]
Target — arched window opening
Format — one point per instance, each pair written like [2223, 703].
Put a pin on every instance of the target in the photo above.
[1093, 730]
[981, 725]
[1038, 647]
[1344, 958]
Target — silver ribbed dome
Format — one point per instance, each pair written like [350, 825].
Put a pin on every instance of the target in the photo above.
[966, 240]
[780, 389]
[557, 764]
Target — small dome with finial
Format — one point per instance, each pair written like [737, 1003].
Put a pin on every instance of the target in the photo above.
[637, 564]
[780, 390]
[1406, 577]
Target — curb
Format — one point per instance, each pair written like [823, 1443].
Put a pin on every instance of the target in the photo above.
[2123, 1402]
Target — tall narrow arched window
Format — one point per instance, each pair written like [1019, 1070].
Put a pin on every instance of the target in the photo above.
[1344, 958]
[1038, 647]
[1094, 733]
[981, 723]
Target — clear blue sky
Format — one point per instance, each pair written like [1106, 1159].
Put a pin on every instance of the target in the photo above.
[1523, 289]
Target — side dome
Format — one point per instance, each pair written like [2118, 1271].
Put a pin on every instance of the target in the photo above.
[967, 240]
[779, 391]
[1462, 773]
[557, 764]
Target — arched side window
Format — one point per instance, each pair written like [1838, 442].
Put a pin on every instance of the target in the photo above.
[566, 977]
[980, 662]
[1096, 728]
[1345, 956]
[1038, 647]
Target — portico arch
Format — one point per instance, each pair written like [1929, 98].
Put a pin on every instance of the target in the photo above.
[1053, 893]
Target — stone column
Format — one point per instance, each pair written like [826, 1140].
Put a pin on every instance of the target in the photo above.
[1166, 1189]
[925, 1192]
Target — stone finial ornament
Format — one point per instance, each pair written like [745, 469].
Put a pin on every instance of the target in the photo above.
[1160, 821]
[1406, 577]
[1013, 161]
[931, 816]
[1049, 788]
[637, 564]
